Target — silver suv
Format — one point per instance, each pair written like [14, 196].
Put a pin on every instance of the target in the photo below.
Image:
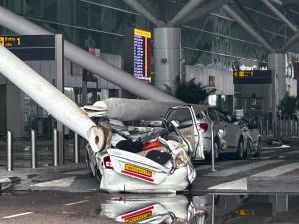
[228, 136]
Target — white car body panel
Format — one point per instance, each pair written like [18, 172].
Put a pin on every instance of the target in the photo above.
[120, 159]
[115, 182]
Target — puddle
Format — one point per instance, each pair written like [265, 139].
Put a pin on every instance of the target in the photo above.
[210, 208]
[98, 207]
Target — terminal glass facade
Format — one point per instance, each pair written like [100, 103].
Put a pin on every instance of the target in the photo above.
[214, 38]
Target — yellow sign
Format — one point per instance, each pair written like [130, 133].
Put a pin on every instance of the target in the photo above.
[10, 41]
[139, 170]
[2, 41]
[142, 33]
[241, 74]
[139, 218]
[244, 212]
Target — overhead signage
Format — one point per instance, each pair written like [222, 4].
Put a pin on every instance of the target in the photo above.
[142, 54]
[252, 77]
[30, 47]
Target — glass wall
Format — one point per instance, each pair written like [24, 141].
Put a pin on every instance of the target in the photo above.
[215, 38]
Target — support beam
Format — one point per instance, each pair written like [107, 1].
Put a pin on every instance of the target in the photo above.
[96, 65]
[250, 29]
[293, 41]
[278, 2]
[151, 7]
[248, 19]
[51, 99]
[280, 15]
[185, 11]
[205, 9]
[138, 7]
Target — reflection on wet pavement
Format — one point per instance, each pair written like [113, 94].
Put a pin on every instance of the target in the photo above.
[210, 208]
[98, 207]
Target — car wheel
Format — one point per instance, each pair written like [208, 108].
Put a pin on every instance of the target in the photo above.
[249, 149]
[98, 175]
[240, 149]
[89, 165]
[258, 148]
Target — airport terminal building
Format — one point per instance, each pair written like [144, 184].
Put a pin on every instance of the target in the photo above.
[214, 44]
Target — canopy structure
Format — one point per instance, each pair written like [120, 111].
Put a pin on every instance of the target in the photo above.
[134, 109]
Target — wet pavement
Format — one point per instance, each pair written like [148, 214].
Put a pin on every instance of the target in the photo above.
[93, 207]
[256, 190]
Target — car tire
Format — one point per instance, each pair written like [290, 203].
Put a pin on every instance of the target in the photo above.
[258, 148]
[88, 163]
[240, 149]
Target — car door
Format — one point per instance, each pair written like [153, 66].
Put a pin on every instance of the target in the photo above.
[231, 131]
[188, 126]
[217, 126]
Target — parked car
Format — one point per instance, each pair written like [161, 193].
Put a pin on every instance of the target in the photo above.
[252, 133]
[229, 137]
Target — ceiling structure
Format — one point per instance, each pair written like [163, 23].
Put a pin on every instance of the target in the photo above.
[213, 31]
[194, 9]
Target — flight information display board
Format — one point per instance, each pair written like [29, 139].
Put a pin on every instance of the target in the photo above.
[30, 47]
[142, 55]
[252, 77]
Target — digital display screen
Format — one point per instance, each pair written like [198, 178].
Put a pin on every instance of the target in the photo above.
[30, 47]
[142, 54]
[6, 41]
[252, 77]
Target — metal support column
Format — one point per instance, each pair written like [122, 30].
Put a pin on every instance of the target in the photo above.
[76, 144]
[47, 96]
[33, 149]
[212, 149]
[277, 64]
[167, 50]
[60, 86]
[55, 146]
[9, 151]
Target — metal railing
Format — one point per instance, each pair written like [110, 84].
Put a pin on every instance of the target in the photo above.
[11, 151]
[280, 128]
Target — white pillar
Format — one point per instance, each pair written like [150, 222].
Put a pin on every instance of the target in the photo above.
[277, 63]
[167, 51]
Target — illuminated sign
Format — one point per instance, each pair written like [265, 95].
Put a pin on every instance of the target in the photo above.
[30, 47]
[252, 77]
[10, 41]
[142, 54]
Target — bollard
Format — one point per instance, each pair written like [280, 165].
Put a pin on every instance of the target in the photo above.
[212, 149]
[289, 127]
[213, 209]
[9, 151]
[33, 149]
[267, 127]
[76, 139]
[55, 143]
[282, 127]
